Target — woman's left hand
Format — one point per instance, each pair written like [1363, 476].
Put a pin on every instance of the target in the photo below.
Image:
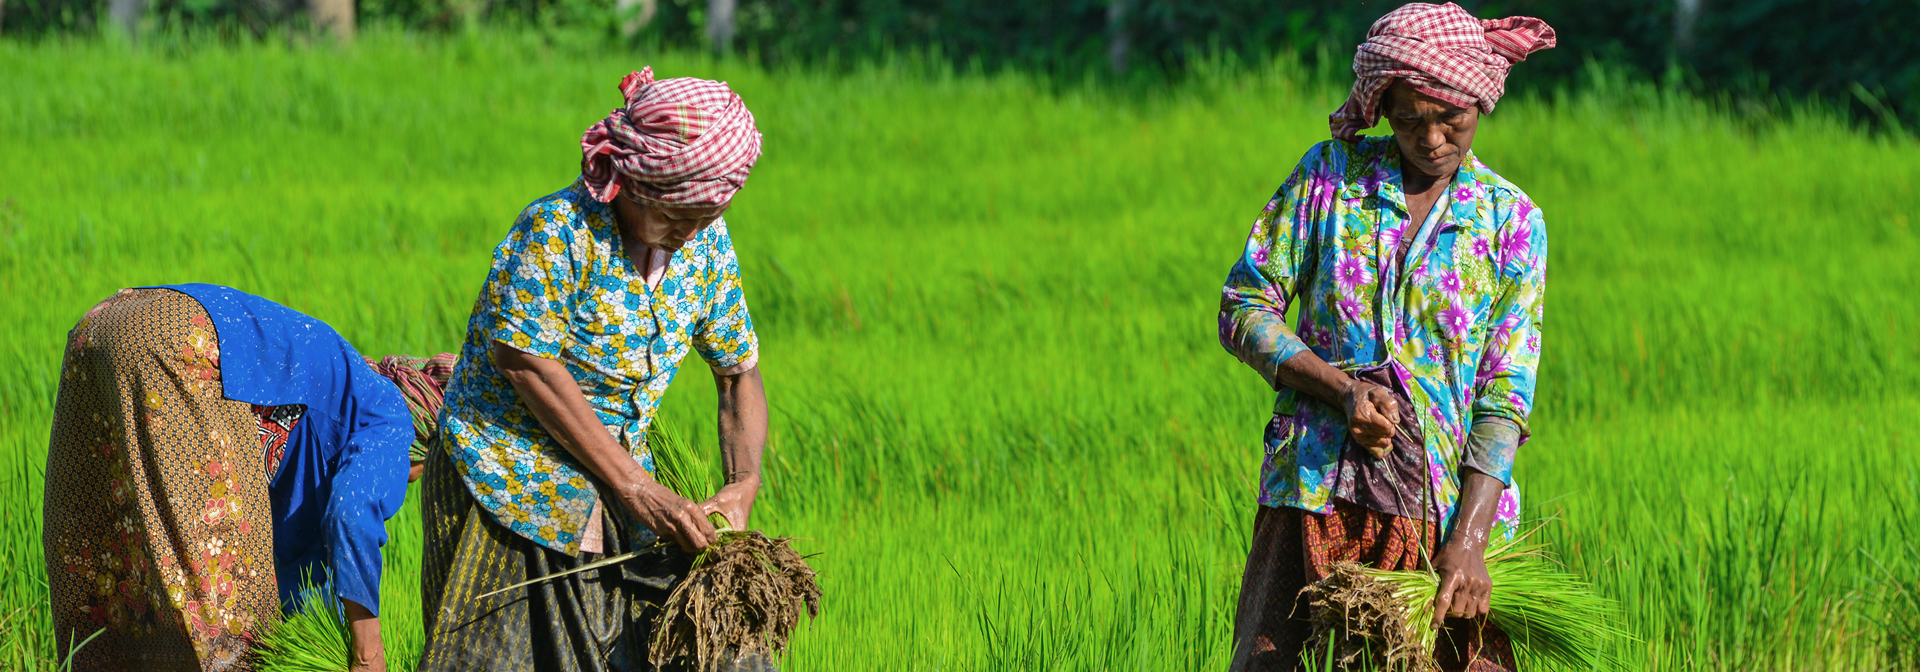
[1465, 589]
[735, 501]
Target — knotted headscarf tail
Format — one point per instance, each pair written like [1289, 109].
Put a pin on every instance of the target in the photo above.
[1443, 52]
[684, 142]
[423, 382]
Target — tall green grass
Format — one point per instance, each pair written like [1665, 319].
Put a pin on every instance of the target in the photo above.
[986, 306]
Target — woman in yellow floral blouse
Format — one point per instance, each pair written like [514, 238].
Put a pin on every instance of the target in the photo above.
[598, 293]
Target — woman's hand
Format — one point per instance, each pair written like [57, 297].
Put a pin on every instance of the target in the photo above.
[1371, 411]
[1465, 589]
[549, 390]
[368, 653]
[669, 515]
[735, 500]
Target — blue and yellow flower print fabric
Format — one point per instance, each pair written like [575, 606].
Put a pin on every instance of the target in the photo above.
[562, 287]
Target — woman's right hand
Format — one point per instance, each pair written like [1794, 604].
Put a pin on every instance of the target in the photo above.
[669, 515]
[1371, 411]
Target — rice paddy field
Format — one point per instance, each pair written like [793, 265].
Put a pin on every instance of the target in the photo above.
[1000, 413]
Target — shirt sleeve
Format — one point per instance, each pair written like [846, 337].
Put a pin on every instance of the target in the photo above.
[531, 288]
[1504, 385]
[369, 486]
[724, 335]
[1490, 447]
[1253, 303]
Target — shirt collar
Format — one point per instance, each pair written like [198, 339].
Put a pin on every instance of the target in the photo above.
[1378, 173]
[1381, 176]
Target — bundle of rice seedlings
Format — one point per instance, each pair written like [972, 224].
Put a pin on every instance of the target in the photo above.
[1382, 618]
[1362, 622]
[313, 639]
[745, 593]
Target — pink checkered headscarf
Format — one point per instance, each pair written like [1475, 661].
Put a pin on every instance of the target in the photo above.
[684, 142]
[1443, 52]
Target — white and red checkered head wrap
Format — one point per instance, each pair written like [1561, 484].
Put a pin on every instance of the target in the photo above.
[1443, 52]
[683, 142]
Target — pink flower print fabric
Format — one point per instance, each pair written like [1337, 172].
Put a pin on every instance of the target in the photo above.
[1460, 316]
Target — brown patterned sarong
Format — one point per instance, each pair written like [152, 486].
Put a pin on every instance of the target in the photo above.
[1293, 548]
[157, 524]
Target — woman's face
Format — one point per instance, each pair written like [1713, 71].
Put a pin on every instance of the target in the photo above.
[1433, 134]
[659, 227]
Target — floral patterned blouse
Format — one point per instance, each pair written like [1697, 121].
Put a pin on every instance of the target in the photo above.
[562, 287]
[1459, 318]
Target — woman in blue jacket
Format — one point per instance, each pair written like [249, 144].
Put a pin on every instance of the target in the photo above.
[211, 450]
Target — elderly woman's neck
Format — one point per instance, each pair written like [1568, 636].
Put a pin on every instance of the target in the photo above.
[1417, 183]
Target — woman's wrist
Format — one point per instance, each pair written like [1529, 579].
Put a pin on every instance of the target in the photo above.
[1345, 391]
[750, 476]
[633, 484]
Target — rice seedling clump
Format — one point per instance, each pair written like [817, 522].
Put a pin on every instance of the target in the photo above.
[744, 596]
[313, 638]
[1360, 622]
[1366, 618]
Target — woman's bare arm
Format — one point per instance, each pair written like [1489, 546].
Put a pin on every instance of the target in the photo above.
[1370, 409]
[554, 397]
[743, 436]
[1466, 590]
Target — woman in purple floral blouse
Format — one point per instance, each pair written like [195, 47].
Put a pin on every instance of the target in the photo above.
[1404, 389]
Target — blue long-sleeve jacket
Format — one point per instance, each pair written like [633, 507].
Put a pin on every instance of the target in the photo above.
[345, 470]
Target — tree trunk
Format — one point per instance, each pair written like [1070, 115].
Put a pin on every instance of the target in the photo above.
[720, 24]
[3, 16]
[126, 14]
[1118, 43]
[466, 13]
[1686, 13]
[334, 16]
[630, 21]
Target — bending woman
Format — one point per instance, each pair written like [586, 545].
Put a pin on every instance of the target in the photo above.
[210, 449]
[597, 294]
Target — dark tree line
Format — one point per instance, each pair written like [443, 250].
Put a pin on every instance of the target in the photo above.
[1861, 54]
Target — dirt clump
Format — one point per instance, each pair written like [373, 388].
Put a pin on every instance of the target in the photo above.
[742, 600]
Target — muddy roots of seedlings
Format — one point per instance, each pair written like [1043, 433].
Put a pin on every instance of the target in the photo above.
[1359, 623]
[744, 595]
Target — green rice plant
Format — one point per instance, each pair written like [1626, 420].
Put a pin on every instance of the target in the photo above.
[66, 665]
[687, 471]
[313, 638]
[1549, 613]
[1896, 587]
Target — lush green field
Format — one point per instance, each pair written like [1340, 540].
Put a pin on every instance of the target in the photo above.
[987, 309]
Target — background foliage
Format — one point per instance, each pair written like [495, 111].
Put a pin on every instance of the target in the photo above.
[1855, 54]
